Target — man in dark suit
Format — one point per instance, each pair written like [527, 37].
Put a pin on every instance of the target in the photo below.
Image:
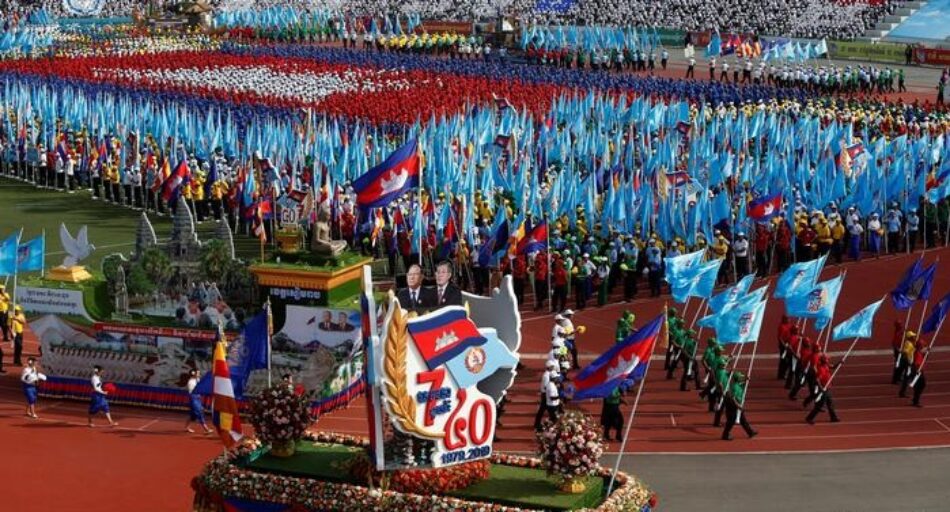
[327, 323]
[414, 297]
[447, 294]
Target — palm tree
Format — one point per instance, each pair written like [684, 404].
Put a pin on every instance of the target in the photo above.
[157, 267]
[215, 259]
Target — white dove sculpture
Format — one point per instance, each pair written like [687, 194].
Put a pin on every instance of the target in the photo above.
[77, 249]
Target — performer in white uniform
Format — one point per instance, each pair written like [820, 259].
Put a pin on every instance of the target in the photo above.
[99, 403]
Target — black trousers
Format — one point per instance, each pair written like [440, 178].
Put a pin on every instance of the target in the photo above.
[540, 292]
[17, 349]
[629, 284]
[919, 387]
[690, 372]
[611, 419]
[559, 300]
[784, 361]
[733, 417]
[824, 400]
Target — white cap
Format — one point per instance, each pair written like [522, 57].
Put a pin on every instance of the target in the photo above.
[567, 312]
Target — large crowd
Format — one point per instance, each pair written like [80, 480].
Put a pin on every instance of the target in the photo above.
[808, 19]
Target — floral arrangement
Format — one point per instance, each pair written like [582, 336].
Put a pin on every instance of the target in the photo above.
[224, 478]
[570, 447]
[280, 415]
[422, 481]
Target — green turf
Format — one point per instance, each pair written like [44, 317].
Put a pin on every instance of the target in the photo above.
[532, 488]
[111, 227]
[506, 485]
[319, 461]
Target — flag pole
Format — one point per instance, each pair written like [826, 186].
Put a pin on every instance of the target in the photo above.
[930, 346]
[919, 325]
[43, 260]
[422, 228]
[16, 265]
[748, 381]
[547, 244]
[270, 328]
[729, 380]
[633, 412]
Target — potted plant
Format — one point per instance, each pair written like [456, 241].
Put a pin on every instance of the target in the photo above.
[570, 449]
[281, 415]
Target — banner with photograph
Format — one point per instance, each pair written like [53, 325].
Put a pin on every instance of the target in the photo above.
[150, 365]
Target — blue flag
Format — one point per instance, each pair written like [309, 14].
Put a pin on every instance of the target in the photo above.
[30, 255]
[741, 324]
[937, 315]
[731, 294]
[683, 267]
[859, 325]
[700, 284]
[802, 275]
[915, 285]
[243, 359]
[8, 255]
[818, 302]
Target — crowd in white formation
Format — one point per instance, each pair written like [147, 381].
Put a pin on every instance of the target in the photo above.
[842, 19]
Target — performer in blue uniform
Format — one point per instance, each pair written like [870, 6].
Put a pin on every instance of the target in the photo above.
[99, 403]
[196, 409]
[30, 377]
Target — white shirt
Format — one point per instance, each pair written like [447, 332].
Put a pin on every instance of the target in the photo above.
[192, 384]
[31, 376]
[553, 397]
[97, 384]
[741, 247]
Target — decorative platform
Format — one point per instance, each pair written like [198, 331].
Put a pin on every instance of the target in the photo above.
[317, 477]
[73, 274]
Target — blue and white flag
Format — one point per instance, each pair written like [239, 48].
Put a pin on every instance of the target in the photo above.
[818, 302]
[700, 284]
[8, 255]
[859, 325]
[30, 255]
[731, 294]
[802, 275]
[740, 324]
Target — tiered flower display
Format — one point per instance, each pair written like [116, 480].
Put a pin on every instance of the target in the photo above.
[225, 478]
[280, 416]
[571, 447]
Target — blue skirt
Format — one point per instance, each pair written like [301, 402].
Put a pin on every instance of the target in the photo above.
[98, 404]
[29, 390]
[196, 412]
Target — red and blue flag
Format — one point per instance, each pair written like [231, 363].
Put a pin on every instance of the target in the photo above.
[173, 183]
[623, 364]
[764, 208]
[535, 240]
[444, 334]
[387, 181]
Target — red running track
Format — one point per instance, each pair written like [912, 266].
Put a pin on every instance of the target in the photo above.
[150, 460]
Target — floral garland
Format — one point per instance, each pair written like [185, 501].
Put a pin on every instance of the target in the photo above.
[223, 478]
[423, 481]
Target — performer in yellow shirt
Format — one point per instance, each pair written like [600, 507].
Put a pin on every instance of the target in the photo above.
[18, 323]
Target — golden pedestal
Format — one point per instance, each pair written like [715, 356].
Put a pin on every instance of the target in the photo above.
[289, 241]
[73, 274]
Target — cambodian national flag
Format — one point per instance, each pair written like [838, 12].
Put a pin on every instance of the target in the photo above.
[175, 181]
[444, 334]
[855, 149]
[764, 208]
[534, 241]
[387, 181]
[623, 364]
